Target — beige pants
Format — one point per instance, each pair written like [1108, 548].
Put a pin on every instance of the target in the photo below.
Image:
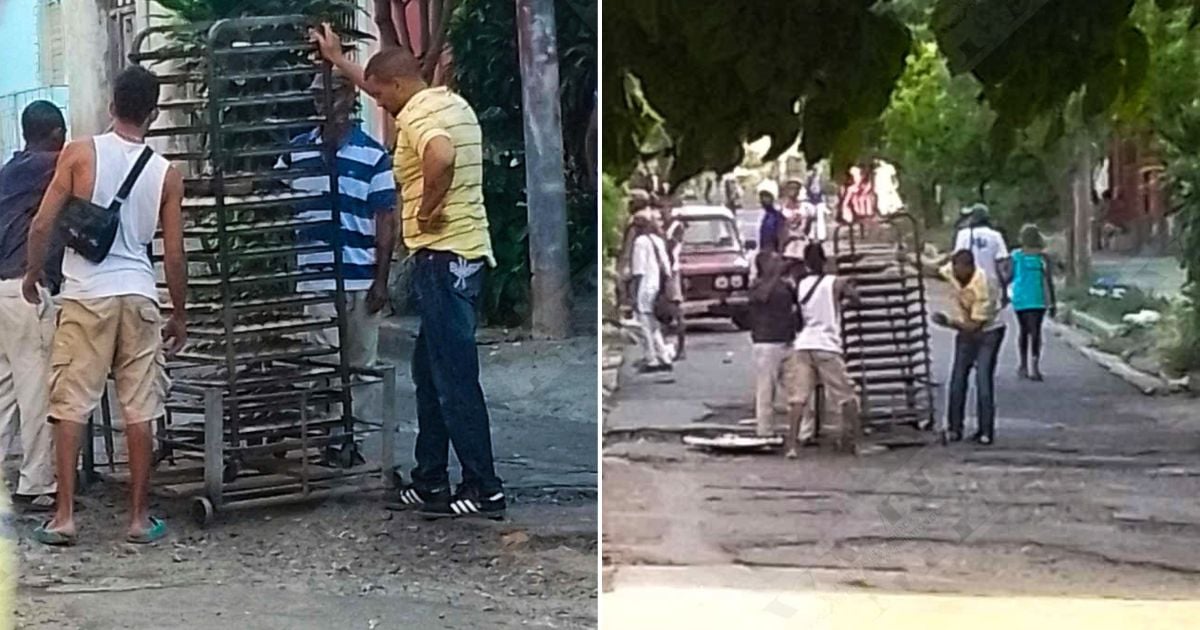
[362, 343]
[813, 367]
[121, 336]
[771, 383]
[26, 334]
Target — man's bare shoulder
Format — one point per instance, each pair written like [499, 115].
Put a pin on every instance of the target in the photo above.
[75, 151]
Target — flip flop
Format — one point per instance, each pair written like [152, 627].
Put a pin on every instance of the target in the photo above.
[158, 529]
[53, 538]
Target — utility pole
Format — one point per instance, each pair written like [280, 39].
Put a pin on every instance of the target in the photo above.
[545, 181]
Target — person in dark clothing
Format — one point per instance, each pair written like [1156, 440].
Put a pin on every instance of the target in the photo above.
[23, 181]
[28, 329]
[774, 226]
[772, 329]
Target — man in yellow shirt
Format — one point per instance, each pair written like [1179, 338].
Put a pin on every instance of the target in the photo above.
[977, 345]
[438, 165]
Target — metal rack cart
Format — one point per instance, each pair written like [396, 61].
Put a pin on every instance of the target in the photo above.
[260, 413]
[886, 336]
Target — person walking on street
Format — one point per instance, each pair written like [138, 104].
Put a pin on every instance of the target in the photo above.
[673, 232]
[772, 331]
[439, 169]
[987, 246]
[819, 356]
[29, 329]
[772, 232]
[1032, 296]
[974, 316]
[650, 268]
[639, 205]
[110, 321]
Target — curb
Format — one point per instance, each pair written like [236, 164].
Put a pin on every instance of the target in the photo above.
[1094, 325]
[1081, 340]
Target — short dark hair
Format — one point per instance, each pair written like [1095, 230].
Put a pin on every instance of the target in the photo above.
[40, 120]
[963, 257]
[135, 94]
[392, 64]
[814, 257]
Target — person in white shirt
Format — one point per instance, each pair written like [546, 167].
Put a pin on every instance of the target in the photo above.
[819, 355]
[649, 267]
[110, 321]
[673, 231]
[987, 245]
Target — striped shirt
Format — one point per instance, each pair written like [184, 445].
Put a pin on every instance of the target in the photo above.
[440, 113]
[365, 189]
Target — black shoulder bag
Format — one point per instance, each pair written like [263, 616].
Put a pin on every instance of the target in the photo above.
[90, 229]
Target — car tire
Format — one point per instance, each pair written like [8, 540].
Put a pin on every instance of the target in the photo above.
[742, 321]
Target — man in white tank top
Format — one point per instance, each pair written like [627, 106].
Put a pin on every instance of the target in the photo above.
[110, 321]
[819, 358]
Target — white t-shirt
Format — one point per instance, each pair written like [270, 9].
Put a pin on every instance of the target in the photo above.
[649, 259]
[989, 249]
[127, 269]
[822, 315]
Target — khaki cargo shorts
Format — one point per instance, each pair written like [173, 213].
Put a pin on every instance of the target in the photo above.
[121, 336]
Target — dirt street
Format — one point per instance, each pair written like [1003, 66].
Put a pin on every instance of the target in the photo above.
[350, 563]
[1088, 492]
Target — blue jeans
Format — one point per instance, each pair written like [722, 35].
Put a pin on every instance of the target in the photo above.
[450, 407]
[979, 351]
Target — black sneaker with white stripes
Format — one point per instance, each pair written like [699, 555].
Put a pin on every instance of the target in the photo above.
[468, 502]
[409, 497]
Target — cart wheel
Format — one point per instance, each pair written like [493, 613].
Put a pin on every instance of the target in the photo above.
[202, 511]
[230, 474]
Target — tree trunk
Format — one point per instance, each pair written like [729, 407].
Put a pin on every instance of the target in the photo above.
[1082, 211]
[544, 168]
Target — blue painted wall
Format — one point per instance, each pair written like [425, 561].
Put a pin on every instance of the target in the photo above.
[18, 31]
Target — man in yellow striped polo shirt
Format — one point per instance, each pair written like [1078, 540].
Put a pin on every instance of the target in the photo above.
[439, 174]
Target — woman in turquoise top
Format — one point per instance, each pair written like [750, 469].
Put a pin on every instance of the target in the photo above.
[1032, 296]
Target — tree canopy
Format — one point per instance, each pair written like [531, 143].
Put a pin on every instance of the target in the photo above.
[712, 74]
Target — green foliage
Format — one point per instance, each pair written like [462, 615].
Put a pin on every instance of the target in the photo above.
[1032, 57]
[1179, 338]
[1111, 309]
[612, 216]
[201, 11]
[722, 72]
[483, 36]
[1172, 109]
[936, 131]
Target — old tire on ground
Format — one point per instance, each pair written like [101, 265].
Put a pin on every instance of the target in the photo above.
[202, 511]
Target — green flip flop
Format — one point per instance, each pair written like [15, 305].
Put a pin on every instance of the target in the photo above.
[53, 538]
[157, 530]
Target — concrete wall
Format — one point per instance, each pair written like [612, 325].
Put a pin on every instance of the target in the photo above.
[87, 66]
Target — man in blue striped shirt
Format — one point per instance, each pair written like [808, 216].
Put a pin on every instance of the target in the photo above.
[366, 202]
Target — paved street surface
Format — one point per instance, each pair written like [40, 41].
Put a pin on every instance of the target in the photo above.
[1088, 493]
[351, 564]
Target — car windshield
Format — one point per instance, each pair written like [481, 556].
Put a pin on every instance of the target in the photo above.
[708, 234]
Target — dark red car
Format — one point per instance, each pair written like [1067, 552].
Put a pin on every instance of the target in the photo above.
[715, 265]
